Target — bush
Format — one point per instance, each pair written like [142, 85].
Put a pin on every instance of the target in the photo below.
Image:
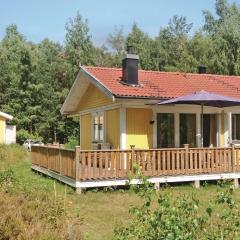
[163, 217]
[23, 135]
[72, 142]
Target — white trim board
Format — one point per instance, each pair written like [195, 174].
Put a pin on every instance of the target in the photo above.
[165, 179]
[6, 116]
[123, 133]
[186, 108]
[79, 87]
[97, 83]
[100, 109]
[122, 182]
[80, 131]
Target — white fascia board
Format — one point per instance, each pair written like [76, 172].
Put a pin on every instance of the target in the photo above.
[97, 83]
[100, 109]
[69, 95]
[92, 80]
[235, 109]
[5, 115]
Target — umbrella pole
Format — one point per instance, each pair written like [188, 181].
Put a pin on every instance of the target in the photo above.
[201, 125]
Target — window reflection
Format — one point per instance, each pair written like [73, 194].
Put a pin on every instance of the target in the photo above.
[188, 129]
[98, 131]
[235, 126]
[165, 130]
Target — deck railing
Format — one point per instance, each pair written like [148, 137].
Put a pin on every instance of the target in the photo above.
[117, 164]
[59, 160]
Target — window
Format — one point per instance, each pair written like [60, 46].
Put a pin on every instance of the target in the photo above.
[235, 126]
[165, 130]
[188, 129]
[98, 132]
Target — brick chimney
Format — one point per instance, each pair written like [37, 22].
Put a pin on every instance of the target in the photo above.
[130, 67]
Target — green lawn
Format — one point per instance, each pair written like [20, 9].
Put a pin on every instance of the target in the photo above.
[50, 205]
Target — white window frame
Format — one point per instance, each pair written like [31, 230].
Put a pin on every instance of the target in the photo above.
[233, 126]
[98, 114]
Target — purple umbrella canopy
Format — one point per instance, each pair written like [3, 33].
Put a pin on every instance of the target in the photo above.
[204, 98]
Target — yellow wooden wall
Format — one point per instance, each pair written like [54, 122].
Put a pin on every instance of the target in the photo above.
[86, 132]
[113, 127]
[2, 129]
[138, 129]
[93, 98]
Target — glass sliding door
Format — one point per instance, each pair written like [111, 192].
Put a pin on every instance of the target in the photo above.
[188, 129]
[165, 130]
[209, 130]
[235, 126]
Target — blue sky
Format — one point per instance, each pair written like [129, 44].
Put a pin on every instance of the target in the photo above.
[47, 18]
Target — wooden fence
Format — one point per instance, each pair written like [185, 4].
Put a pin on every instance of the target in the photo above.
[117, 164]
[59, 160]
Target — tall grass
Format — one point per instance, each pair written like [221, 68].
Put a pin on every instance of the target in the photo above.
[11, 153]
[36, 207]
[32, 207]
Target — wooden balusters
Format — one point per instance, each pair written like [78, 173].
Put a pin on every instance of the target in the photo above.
[111, 164]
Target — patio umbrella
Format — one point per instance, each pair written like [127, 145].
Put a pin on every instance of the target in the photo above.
[204, 98]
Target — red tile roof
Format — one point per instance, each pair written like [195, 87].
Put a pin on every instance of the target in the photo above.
[158, 85]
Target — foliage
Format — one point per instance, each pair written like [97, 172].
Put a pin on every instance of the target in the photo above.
[35, 78]
[141, 42]
[23, 135]
[161, 216]
[117, 40]
[79, 48]
[72, 142]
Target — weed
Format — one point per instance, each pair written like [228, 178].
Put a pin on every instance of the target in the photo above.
[161, 216]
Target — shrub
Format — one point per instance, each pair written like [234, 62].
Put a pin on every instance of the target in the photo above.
[72, 142]
[163, 217]
[23, 135]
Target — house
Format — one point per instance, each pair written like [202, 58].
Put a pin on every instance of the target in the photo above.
[7, 132]
[117, 108]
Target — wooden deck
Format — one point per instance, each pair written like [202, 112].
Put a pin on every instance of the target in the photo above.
[98, 168]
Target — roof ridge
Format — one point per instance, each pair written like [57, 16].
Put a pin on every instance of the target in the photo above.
[102, 68]
[141, 70]
[165, 72]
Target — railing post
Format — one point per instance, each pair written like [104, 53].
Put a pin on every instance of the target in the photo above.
[233, 158]
[132, 155]
[186, 147]
[133, 152]
[237, 159]
[47, 159]
[77, 161]
[60, 160]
